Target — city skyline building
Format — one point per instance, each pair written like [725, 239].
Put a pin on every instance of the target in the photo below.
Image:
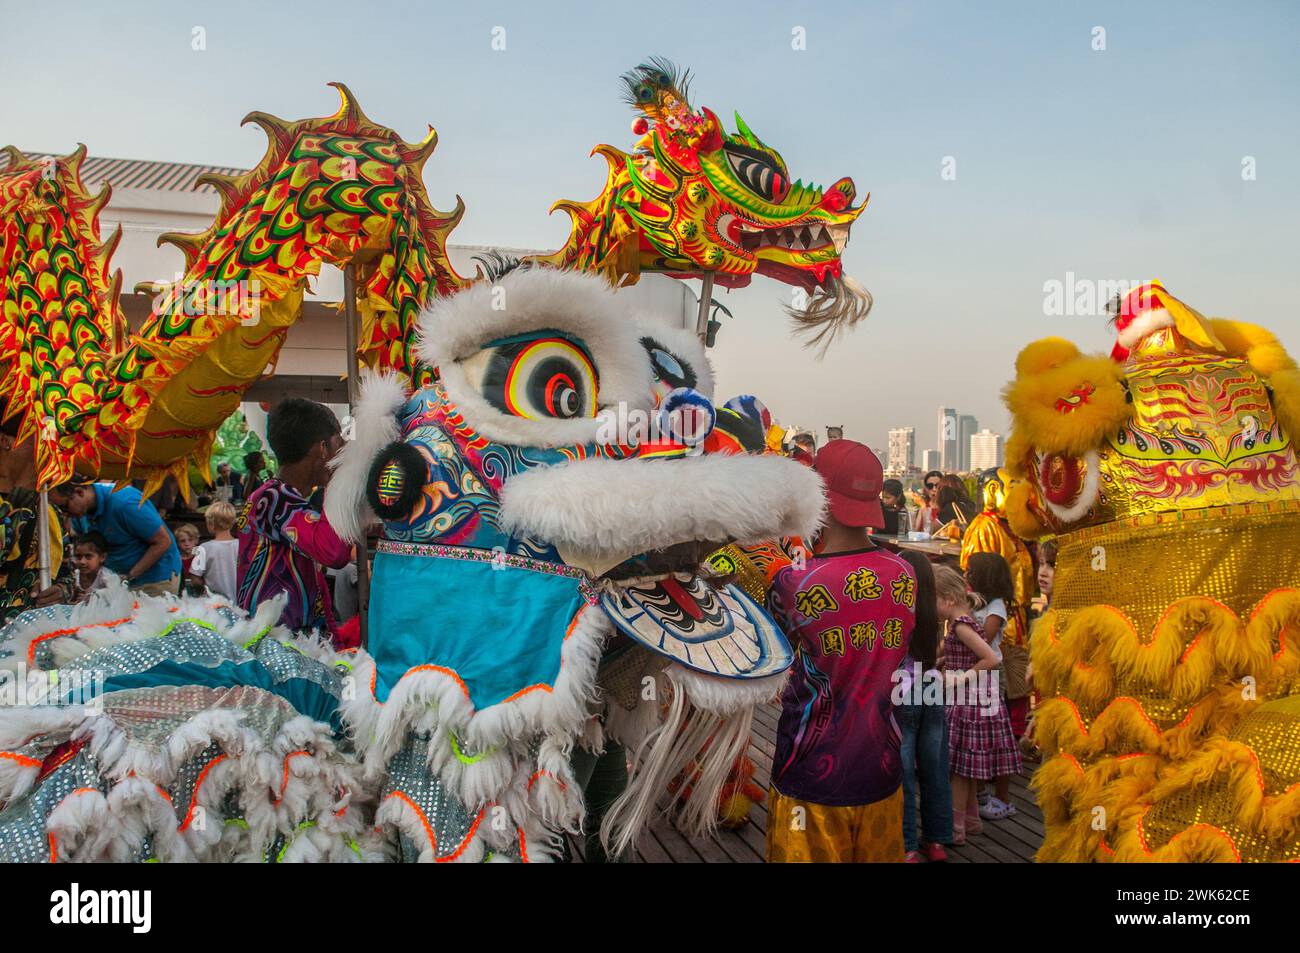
[967, 426]
[902, 450]
[985, 450]
[946, 439]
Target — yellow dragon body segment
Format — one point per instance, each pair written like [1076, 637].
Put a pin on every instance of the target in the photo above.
[60, 303]
[336, 190]
[1169, 662]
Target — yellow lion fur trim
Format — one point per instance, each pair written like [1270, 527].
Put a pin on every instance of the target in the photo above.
[1020, 517]
[1043, 355]
[1275, 620]
[1042, 636]
[1125, 788]
[1275, 816]
[1081, 804]
[1197, 644]
[1033, 397]
[1055, 783]
[1257, 345]
[1198, 844]
[1198, 654]
[1017, 453]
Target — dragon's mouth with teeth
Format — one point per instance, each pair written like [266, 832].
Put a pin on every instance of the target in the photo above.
[804, 252]
[810, 236]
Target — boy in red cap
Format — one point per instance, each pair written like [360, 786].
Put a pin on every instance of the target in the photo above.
[849, 610]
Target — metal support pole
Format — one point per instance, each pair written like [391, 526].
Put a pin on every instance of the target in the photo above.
[354, 396]
[706, 301]
[43, 531]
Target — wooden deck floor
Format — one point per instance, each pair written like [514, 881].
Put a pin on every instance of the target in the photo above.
[1012, 841]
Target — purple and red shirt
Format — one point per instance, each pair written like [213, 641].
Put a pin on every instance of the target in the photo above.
[283, 544]
[850, 617]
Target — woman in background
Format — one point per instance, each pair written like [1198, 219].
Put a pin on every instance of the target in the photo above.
[893, 507]
[954, 502]
[928, 512]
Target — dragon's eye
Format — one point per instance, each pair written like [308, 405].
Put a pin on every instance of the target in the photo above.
[545, 377]
[671, 372]
[758, 171]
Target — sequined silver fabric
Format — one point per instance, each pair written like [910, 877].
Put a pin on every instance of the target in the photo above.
[23, 838]
[409, 776]
[192, 671]
[144, 721]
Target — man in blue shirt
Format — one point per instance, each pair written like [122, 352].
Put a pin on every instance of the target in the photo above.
[140, 547]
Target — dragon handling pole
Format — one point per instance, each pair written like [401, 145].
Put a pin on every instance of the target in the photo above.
[354, 395]
[706, 299]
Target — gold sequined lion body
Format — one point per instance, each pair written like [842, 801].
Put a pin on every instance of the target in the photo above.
[1168, 664]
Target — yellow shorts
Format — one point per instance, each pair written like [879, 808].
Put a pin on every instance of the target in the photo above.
[800, 832]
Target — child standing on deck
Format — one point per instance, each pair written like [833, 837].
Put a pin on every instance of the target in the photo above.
[216, 561]
[924, 727]
[988, 577]
[979, 728]
[89, 553]
[187, 541]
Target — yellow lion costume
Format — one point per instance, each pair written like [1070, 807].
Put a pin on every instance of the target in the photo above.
[1169, 661]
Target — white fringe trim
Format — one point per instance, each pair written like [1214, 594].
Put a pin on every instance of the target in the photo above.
[297, 785]
[16, 778]
[117, 616]
[76, 819]
[396, 811]
[705, 729]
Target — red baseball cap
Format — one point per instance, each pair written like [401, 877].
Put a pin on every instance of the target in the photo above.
[854, 479]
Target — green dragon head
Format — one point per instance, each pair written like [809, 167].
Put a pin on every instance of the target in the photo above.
[693, 198]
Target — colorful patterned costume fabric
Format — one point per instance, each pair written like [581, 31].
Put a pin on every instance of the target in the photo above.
[328, 191]
[283, 545]
[851, 616]
[20, 561]
[177, 730]
[1169, 660]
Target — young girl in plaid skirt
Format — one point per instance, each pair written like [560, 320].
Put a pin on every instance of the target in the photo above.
[980, 743]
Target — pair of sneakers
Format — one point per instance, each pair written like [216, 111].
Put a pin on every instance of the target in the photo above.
[934, 853]
[996, 809]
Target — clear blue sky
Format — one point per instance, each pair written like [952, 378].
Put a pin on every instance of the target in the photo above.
[1125, 163]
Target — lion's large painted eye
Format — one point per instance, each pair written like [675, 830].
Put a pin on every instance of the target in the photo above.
[671, 371]
[540, 378]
